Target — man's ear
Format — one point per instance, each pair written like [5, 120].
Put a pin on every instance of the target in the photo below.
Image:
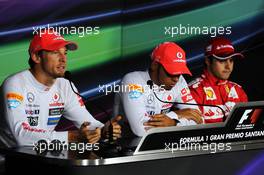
[154, 66]
[35, 57]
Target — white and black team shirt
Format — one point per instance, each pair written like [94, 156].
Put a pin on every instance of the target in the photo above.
[32, 110]
[136, 101]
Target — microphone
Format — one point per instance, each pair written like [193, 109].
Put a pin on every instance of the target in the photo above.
[67, 75]
[150, 84]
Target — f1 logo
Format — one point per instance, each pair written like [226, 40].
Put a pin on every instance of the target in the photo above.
[245, 116]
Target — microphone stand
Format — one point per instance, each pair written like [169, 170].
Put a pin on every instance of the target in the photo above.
[67, 75]
[150, 83]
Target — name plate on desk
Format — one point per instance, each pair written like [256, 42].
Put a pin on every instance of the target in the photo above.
[243, 129]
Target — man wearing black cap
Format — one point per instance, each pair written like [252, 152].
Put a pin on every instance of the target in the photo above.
[35, 99]
[213, 87]
[139, 102]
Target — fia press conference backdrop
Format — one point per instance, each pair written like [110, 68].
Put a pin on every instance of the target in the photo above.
[117, 36]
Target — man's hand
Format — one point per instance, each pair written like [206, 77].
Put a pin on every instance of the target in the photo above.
[190, 114]
[116, 128]
[160, 120]
[90, 136]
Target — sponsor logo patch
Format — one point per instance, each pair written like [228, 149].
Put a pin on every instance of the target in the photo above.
[187, 98]
[30, 97]
[14, 100]
[27, 127]
[56, 97]
[165, 111]
[185, 91]
[135, 87]
[53, 121]
[233, 93]
[168, 105]
[210, 94]
[150, 113]
[80, 101]
[186, 95]
[135, 91]
[134, 94]
[32, 105]
[55, 111]
[56, 104]
[33, 121]
[15, 96]
[150, 99]
[169, 98]
[12, 104]
[32, 112]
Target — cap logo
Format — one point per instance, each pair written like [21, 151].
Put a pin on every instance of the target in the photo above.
[179, 55]
[179, 58]
[59, 38]
[179, 61]
[224, 46]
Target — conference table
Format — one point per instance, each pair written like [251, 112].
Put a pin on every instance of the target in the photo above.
[119, 158]
[219, 148]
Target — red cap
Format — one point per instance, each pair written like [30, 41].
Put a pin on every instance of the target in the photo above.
[221, 48]
[48, 39]
[171, 57]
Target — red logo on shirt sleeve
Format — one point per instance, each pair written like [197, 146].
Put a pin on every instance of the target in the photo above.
[187, 98]
[80, 101]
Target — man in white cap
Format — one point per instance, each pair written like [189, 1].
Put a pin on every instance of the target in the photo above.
[213, 87]
[138, 101]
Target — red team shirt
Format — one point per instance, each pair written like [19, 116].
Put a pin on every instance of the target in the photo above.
[207, 89]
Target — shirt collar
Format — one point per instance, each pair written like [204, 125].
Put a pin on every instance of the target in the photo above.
[212, 79]
[36, 83]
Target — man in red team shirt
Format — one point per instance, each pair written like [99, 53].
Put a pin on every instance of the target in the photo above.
[213, 86]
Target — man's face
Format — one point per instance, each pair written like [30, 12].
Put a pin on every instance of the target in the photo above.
[53, 63]
[166, 80]
[221, 69]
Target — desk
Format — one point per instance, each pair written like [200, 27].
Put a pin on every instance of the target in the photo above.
[25, 160]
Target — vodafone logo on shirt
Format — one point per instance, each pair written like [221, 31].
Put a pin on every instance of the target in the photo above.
[169, 98]
[55, 99]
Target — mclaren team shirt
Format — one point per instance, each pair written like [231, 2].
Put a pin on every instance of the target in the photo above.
[32, 110]
[136, 101]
